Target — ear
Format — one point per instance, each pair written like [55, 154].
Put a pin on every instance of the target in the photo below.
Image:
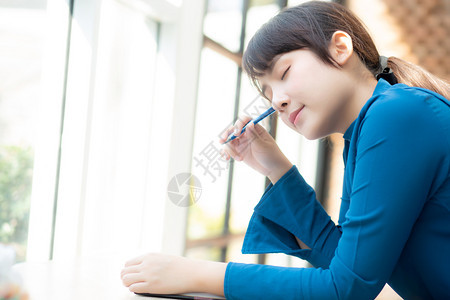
[341, 47]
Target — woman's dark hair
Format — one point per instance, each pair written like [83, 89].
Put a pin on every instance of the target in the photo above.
[311, 25]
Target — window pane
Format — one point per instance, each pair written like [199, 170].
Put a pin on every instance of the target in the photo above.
[258, 15]
[22, 33]
[234, 253]
[120, 135]
[223, 23]
[208, 253]
[296, 2]
[216, 96]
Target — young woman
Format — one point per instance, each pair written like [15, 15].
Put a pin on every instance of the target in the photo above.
[321, 71]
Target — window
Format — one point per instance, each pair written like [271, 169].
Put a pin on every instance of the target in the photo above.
[128, 80]
[113, 163]
[113, 122]
[22, 44]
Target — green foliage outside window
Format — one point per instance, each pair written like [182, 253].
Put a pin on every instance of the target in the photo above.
[16, 168]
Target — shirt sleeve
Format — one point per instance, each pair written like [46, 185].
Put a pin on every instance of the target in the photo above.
[398, 157]
[287, 210]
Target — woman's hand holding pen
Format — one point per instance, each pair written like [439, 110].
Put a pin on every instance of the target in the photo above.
[256, 148]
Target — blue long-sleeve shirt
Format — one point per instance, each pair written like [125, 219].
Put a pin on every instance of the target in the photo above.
[394, 222]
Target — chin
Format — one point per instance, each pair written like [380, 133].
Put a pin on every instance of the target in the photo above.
[308, 133]
[311, 134]
[311, 137]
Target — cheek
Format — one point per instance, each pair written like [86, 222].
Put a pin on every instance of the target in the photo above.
[286, 122]
[311, 126]
[301, 128]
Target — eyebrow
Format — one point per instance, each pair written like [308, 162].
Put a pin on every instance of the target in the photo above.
[273, 62]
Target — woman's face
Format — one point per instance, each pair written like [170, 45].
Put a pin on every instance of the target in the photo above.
[310, 96]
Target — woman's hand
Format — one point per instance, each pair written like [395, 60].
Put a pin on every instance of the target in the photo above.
[168, 274]
[157, 273]
[256, 148]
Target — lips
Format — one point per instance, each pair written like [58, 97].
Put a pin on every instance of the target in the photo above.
[294, 115]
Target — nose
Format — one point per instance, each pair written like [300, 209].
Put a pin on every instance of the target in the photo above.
[280, 102]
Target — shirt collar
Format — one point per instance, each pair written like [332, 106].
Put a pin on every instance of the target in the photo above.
[348, 133]
[380, 88]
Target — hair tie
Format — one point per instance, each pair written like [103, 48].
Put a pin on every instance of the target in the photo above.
[386, 73]
[383, 62]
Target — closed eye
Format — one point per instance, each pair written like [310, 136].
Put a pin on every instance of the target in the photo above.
[285, 72]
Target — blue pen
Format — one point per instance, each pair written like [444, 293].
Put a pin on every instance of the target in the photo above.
[255, 121]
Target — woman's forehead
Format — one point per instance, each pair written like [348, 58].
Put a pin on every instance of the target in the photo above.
[273, 63]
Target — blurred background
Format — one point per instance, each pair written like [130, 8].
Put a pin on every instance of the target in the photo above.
[104, 103]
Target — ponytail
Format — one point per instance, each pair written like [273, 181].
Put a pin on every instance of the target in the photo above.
[414, 75]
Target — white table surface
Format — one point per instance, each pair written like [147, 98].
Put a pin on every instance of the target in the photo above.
[82, 279]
